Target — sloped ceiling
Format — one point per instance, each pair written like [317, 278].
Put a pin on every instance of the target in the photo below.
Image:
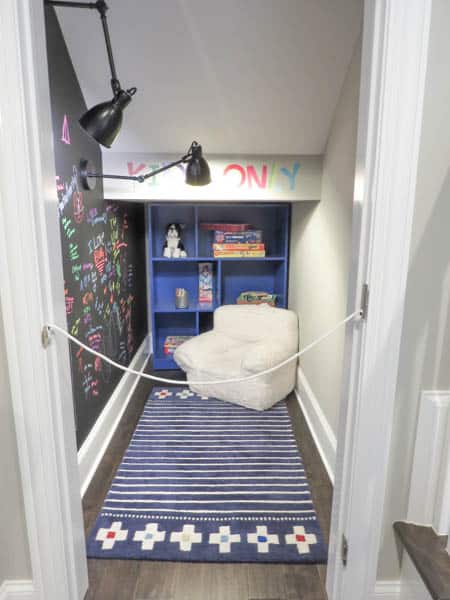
[240, 76]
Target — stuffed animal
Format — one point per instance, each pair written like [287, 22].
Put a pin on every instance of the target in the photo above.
[173, 246]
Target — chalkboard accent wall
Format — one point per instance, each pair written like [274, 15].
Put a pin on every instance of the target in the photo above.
[103, 247]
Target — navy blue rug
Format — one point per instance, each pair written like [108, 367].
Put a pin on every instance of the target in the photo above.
[204, 480]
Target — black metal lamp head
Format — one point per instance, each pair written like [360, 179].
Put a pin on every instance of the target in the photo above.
[103, 121]
[197, 170]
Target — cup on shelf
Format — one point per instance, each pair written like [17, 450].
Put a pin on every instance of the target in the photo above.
[181, 298]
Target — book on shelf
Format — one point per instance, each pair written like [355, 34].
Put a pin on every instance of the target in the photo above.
[239, 247]
[172, 342]
[257, 298]
[239, 253]
[252, 236]
[228, 227]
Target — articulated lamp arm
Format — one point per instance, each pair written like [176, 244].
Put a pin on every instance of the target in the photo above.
[197, 172]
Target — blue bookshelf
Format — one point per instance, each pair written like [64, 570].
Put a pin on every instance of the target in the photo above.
[231, 276]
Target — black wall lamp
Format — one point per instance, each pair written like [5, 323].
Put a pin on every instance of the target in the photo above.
[103, 121]
[197, 170]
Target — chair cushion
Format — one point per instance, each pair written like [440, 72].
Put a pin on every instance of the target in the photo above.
[251, 323]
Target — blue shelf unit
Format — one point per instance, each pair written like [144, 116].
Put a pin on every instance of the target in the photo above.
[231, 276]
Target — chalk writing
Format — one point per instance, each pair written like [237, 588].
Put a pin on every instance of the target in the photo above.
[76, 272]
[78, 206]
[96, 242]
[67, 226]
[73, 251]
[67, 190]
[96, 218]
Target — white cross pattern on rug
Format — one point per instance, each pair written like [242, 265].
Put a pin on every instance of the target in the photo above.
[224, 538]
[186, 537]
[149, 536]
[163, 394]
[262, 539]
[185, 394]
[109, 536]
[302, 539]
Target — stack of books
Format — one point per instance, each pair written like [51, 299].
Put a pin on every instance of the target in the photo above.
[172, 342]
[236, 240]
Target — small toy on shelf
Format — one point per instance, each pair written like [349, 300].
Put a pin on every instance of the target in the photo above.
[173, 246]
[205, 283]
[256, 298]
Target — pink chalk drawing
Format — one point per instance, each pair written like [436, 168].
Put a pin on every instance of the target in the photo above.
[65, 135]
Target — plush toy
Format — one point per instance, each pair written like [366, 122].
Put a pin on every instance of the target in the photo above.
[173, 246]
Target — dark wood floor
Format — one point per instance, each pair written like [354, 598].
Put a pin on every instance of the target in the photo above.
[143, 580]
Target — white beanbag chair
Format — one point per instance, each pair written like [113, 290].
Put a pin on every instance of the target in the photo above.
[246, 339]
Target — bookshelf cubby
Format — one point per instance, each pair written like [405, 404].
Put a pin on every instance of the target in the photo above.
[231, 276]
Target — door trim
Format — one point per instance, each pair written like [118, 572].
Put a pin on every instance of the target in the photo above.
[394, 62]
[31, 294]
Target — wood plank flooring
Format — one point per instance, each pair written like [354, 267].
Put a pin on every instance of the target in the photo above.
[145, 580]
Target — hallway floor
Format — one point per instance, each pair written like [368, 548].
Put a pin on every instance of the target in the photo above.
[145, 580]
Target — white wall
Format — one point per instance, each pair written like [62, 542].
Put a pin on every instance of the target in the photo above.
[425, 349]
[321, 249]
[14, 555]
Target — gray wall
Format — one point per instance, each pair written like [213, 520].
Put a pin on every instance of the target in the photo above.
[14, 555]
[425, 349]
[321, 248]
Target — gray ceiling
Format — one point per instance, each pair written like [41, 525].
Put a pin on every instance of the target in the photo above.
[241, 76]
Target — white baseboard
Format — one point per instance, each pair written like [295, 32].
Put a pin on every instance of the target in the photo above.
[17, 589]
[321, 431]
[388, 590]
[94, 446]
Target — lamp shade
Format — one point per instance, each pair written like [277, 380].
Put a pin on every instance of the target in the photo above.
[197, 169]
[103, 121]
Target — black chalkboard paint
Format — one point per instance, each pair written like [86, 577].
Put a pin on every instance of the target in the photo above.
[103, 247]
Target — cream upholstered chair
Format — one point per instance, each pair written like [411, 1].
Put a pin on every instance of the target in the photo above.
[246, 339]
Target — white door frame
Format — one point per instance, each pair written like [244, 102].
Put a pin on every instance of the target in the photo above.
[394, 63]
[31, 294]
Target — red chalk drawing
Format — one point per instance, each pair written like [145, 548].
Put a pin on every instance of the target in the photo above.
[69, 304]
[65, 135]
[100, 259]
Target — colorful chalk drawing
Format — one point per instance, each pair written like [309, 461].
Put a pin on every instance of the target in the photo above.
[100, 283]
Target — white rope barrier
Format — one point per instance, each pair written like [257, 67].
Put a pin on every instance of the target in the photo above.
[317, 341]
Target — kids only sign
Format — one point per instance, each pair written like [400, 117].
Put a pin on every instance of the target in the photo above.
[282, 178]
